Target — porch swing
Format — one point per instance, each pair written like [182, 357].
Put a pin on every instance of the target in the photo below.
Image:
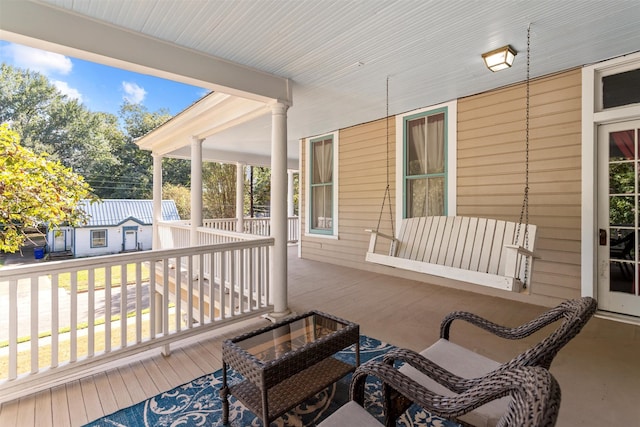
[482, 251]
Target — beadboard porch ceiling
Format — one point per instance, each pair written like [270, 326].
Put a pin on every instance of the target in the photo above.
[331, 58]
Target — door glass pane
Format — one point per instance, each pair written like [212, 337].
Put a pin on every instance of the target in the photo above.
[622, 178]
[622, 211]
[622, 265]
[621, 145]
[623, 205]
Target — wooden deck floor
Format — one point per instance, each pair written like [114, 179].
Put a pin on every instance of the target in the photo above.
[599, 371]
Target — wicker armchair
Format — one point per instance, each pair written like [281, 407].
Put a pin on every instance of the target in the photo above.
[532, 393]
[449, 369]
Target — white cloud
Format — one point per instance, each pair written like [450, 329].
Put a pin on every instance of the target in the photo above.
[65, 89]
[47, 63]
[133, 93]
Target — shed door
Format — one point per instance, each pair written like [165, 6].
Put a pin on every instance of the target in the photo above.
[618, 222]
[130, 239]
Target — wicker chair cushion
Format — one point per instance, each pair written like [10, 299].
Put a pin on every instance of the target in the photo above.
[350, 415]
[466, 364]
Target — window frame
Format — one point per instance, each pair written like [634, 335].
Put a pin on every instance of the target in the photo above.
[450, 162]
[309, 230]
[92, 238]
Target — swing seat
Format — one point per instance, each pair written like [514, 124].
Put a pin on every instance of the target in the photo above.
[474, 250]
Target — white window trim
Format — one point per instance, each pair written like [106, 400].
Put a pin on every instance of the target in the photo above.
[452, 143]
[593, 115]
[307, 199]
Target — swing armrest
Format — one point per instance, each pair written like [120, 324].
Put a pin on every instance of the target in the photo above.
[377, 233]
[374, 237]
[521, 250]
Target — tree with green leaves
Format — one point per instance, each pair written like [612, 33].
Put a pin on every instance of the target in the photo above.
[181, 195]
[35, 191]
[258, 198]
[218, 190]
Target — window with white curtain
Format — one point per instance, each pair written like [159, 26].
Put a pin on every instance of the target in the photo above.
[425, 164]
[321, 185]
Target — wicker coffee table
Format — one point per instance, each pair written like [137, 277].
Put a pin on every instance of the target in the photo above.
[286, 363]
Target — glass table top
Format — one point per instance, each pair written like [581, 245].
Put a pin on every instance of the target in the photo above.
[290, 336]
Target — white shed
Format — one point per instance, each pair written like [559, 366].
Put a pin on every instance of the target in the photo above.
[115, 225]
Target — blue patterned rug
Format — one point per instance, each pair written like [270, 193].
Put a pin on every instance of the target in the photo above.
[198, 403]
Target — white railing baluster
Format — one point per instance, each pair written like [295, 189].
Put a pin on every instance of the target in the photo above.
[165, 298]
[124, 297]
[35, 320]
[73, 296]
[212, 289]
[138, 302]
[223, 285]
[152, 300]
[233, 284]
[55, 319]
[267, 275]
[91, 312]
[107, 309]
[13, 329]
[190, 300]
[178, 293]
[201, 280]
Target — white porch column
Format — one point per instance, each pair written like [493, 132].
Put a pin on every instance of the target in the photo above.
[240, 197]
[290, 204]
[196, 189]
[279, 208]
[157, 199]
[155, 244]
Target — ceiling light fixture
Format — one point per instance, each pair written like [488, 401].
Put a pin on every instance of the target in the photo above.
[500, 58]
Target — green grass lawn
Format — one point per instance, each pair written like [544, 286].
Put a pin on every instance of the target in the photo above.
[64, 280]
[64, 346]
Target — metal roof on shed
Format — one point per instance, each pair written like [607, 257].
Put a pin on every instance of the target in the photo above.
[111, 212]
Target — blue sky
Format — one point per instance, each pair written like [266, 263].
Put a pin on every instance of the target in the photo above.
[98, 87]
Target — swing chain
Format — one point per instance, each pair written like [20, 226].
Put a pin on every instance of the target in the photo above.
[387, 191]
[524, 212]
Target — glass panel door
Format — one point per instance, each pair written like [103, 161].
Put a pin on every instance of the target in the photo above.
[618, 220]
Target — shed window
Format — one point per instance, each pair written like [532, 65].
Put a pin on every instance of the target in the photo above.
[98, 238]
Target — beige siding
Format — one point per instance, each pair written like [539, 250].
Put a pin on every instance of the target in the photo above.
[362, 181]
[491, 165]
[490, 175]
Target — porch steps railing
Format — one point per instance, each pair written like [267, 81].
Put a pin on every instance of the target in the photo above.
[116, 306]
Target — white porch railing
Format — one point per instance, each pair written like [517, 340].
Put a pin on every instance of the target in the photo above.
[257, 226]
[49, 334]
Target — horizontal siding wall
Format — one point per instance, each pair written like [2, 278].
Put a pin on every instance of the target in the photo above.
[362, 177]
[491, 170]
[490, 174]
